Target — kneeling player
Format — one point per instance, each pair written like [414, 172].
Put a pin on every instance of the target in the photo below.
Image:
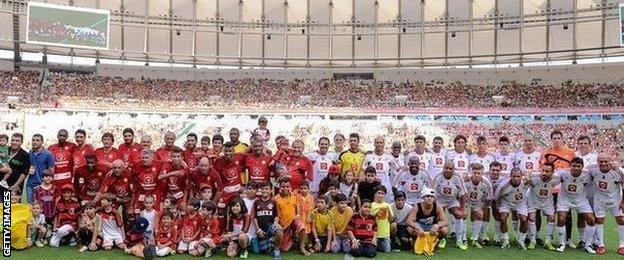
[510, 197]
[573, 195]
[210, 232]
[427, 216]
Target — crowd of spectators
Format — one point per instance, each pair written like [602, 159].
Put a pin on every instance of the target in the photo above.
[79, 90]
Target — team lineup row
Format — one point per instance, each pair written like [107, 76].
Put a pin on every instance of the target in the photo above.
[399, 196]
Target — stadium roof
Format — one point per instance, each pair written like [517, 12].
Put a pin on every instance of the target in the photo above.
[344, 33]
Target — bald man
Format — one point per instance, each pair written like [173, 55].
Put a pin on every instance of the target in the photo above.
[116, 182]
[205, 176]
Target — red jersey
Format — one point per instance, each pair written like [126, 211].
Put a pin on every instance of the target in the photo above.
[67, 212]
[363, 228]
[79, 155]
[258, 167]
[130, 153]
[300, 168]
[190, 225]
[46, 198]
[120, 186]
[191, 157]
[198, 179]
[211, 228]
[165, 235]
[230, 172]
[282, 156]
[145, 180]
[163, 154]
[106, 157]
[63, 162]
[89, 181]
[173, 186]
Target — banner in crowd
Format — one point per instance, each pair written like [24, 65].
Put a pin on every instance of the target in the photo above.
[67, 26]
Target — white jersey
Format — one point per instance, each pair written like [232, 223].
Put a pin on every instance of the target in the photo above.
[528, 163]
[478, 194]
[449, 189]
[399, 162]
[485, 161]
[573, 188]
[151, 218]
[424, 158]
[506, 161]
[320, 167]
[590, 160]
[540, 190]
[349, 190]
[436, 165]
[495, 183]
[608, 186]
[460, 160]
[413, 185]
[506, 194]
[385, 166]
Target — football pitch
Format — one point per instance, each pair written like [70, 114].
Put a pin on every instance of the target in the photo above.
[450, 252]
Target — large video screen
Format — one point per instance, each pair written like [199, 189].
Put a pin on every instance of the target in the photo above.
[67, 26]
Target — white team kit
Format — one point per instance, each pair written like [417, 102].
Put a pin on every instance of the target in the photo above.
[485, 160]
[424, 159]
[460, 160]
[448, 191]
[506, 161]
[573, 192]
[607, 192]
[528, 162]
[510, 198]
[436, 165]
[385, 166]
[320, 167]
[540, 194]
[478, 194]
[413, 185]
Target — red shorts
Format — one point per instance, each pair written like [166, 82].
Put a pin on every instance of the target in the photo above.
[287, 239]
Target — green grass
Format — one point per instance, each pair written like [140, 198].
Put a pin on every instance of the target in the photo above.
[488, 252]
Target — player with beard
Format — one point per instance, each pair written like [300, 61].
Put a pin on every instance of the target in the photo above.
[257, 163]
[63, 164]
[321, 160]
[192, 153]
[130, 151]
[438, 157]
[229, 166]
[144, 180]
[107, 154]
[82, 149]
[205, 175]
[119, 183]
[88, 179]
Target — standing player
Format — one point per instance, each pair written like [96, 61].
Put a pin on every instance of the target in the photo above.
[608, 181]
[339, 140]
[495, 180]
[481, 156]
[63, 164]
[229, 166]
[413, 181]
[451, 194]
[321, 160]
[144, 176]
[129, 151]
[590, 160]
[399, 159]
[118, 183]
[541, 201]
[528, 159]
[192, 153]
[479, 196]
[438, 157]
[82, 149]
[352, 159]
[239, 147]
[420, 151]
[384, 165]
[107, 154]
[573, 196]
[459, 156]
[299, 167]
[173, 178]
[257, 163]
[88, 179]
[163, 154]
[510, 197]
[504, 156]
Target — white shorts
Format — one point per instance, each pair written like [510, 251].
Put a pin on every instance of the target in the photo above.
[601, 209]
[474, 205]
[447, 202]
[521, 208]
[546, 206]
[582, 206]
[183, 246]
[109, 241]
